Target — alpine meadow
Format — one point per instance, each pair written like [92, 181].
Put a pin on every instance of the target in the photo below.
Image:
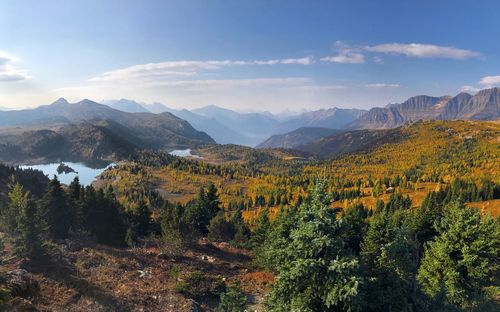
[258, 156]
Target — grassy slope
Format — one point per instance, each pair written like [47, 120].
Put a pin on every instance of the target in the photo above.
[448, 149]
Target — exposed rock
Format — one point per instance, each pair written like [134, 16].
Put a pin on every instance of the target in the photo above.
[485, 105]
[21, 284]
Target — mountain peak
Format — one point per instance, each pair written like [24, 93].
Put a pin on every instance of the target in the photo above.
[60, 101]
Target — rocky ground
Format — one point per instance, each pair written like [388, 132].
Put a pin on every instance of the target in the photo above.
[89, 277]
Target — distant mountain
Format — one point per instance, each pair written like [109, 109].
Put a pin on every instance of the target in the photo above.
[128, 106]
[297, 137]
[485, 105]
[61, 121]
[255, 126]
[155, 107]
[333, 118]
[219, 132]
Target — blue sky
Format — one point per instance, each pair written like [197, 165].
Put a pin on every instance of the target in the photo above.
[246, 55]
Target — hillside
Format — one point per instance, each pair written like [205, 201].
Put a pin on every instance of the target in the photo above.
[428, 152]
[159, 271]
[350, 142]
[297, 137]
[485, 105]
[88, 129]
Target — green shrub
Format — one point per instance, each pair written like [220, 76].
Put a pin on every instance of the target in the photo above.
[232, 300]
[198, 285]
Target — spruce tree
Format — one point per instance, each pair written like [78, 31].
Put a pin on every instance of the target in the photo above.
[55, 209]
[320, 274]
[463, 259]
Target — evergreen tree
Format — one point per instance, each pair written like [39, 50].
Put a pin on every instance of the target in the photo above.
[219, 229]
[260, 231]
[103, 217]
[390, 257]
[463, 259]
[241, 230]
[201, 210]
[17, 200]
[172, 228]
[56, 212]
[355, 219]
[232, 300]
[320, 274]
[27, 242]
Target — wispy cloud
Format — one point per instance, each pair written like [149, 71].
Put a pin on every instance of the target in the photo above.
[490, 80]
[8, 71]
[171, 69]
[420, 50]
[382, 85]
[345, 54]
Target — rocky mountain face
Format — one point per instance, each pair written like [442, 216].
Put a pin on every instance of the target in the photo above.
[485, 105]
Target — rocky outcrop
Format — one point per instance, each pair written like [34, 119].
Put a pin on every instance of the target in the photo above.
[485, 105]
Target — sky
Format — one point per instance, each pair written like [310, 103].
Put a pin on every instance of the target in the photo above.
[246, 55]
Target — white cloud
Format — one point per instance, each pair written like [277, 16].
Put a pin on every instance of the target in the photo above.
[300, 61]
[423, 50]
[345, 54]
[8, 71]
[382, 85]
[171, 69]
[484, 83]
[470, 89]
[490, 80]
[345, 58]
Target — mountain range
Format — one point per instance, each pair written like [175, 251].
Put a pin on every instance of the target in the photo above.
[90, 130]
[250, 128]
[485, 105]
[263, 129]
